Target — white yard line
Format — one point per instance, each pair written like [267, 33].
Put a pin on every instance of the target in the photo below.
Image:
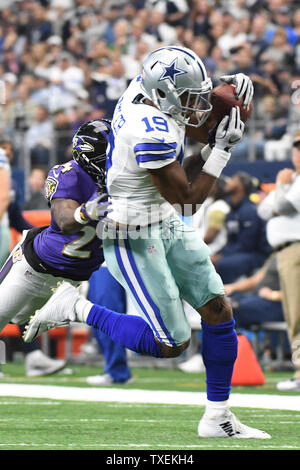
[278, 402]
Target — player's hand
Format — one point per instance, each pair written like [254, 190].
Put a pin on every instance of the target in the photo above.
[230, 131]
[243, 87]
[97, 207]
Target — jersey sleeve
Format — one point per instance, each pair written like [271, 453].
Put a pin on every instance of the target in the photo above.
[62, 182]
[155, 152]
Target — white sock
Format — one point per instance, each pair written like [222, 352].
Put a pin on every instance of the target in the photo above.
[82, 309]
[215, 408]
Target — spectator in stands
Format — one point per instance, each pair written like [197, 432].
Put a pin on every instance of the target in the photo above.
[16, 219]
[257, 34]
[35, 36]
[257, 299]
[19, 111]
[40, 26]
[281, 208]
[36, 182]
[163, 32]
[67, 75]
[209, 220]
[246, 248]
[39, 137]
[138, 33]
[109, 86]
[176, 13]
[282, 17]
[279, 50]
[5, 184]
[63, 135]
[233, 37]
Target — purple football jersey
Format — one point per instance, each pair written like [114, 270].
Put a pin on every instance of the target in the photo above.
[77, 254]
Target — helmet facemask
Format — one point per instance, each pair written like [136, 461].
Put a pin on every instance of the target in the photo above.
[187, 103]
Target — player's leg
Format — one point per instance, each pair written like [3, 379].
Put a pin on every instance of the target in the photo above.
[157, 331]
[203, 289]
[16, 290]
[139, 263]
[106, 291]
[21, 291]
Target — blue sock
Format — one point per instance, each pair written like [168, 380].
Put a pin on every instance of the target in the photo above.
[219, 352]
[130, 331]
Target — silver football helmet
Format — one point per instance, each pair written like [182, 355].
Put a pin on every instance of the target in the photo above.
[175, 79]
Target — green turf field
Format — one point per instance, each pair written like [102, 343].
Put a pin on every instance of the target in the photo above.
[51, 424]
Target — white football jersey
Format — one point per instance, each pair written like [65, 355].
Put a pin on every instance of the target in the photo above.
[142, 138]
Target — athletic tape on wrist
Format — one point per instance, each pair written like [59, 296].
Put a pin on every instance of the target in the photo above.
[79, 217]
[216, 162]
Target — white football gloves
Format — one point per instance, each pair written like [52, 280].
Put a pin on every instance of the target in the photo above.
[230, 130]
[229, 133]
[97, 206]
[243, 87]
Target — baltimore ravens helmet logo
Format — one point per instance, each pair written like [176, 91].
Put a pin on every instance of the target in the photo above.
[81, 146]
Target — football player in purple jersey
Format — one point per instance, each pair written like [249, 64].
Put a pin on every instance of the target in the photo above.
[69, 249]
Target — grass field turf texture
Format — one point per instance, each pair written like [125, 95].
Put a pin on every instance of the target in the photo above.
[28, 423]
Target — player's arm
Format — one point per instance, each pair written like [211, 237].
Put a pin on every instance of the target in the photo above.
[172, 180]
[62, 211]
[194, 163]
[70, 216]
[172, 183]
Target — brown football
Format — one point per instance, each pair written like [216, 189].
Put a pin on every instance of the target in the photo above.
[223, 99]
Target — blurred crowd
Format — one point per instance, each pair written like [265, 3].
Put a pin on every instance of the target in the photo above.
[66, 61]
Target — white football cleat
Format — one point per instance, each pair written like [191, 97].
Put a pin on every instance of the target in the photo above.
[38, 364]
[58, 311]
[291, 385]
[194, 364]
[105, 379]
[226, 424]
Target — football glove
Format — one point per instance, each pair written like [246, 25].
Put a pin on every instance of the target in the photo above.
[243, 87]
[229, 131]
[96, 208]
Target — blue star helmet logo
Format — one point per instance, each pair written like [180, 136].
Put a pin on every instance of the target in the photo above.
[170, 71]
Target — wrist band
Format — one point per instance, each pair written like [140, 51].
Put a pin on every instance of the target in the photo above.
[216, 162]
[79, 216]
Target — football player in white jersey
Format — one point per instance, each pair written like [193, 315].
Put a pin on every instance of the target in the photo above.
[158, 259]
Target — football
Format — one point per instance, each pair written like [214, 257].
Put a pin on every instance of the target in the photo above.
[223, 99]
